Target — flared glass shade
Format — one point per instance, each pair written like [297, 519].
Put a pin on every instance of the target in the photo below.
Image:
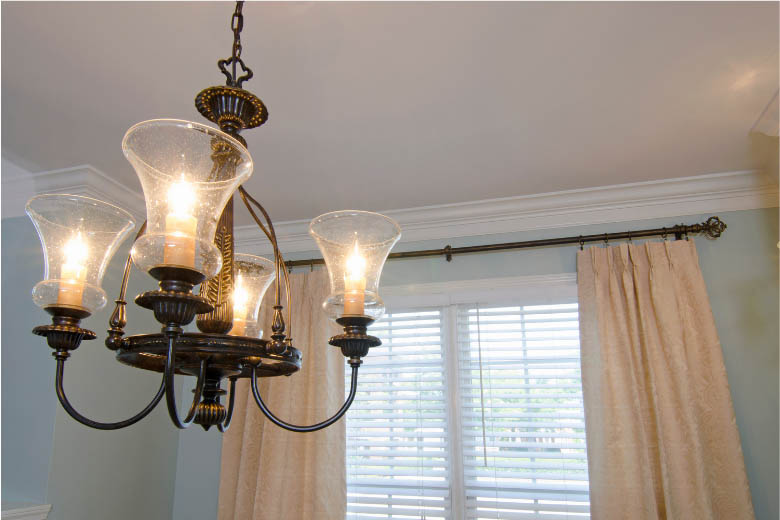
[188, 171]
[252, 276]
[79, 235]
[355, 245]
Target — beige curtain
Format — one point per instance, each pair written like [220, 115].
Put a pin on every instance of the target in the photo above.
[661, 432]
[271, 473]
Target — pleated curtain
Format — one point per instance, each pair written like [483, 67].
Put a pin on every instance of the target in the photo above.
[269, 473]
[661, 432]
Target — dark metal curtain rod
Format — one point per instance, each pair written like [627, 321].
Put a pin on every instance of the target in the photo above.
[712, 228]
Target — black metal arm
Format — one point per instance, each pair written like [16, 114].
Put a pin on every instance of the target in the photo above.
[170, 392]
[101, 425]
[314, 427]
[224, 425]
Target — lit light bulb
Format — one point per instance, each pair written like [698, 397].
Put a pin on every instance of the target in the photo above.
[355, 283]
[240, 307]
[181, 198]
[76, 252]
[180, 225]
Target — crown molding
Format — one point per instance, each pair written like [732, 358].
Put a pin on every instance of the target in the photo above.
[27, 512]
[713, 193]
[18, 185]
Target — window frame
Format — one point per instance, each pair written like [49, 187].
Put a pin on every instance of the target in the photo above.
[446, 297]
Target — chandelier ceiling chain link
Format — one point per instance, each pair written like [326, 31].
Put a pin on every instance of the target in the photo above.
[236, 25]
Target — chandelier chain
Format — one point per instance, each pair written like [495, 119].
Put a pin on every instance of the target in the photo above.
[237, 24]
[233, 78]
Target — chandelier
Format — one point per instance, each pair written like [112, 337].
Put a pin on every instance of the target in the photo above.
[189, 173]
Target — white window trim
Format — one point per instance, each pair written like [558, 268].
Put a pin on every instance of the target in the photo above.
[536, 289]
[539, 289]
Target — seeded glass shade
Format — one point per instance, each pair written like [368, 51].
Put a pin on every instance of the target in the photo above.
[355, 245]
[79, 235]
[252, 277]
[188, 171]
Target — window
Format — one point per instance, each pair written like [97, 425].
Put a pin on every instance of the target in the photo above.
[397, 427]
[522, 420]
[471, 408]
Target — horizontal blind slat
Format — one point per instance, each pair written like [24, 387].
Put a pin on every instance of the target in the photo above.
[522, 428]
[397, 426]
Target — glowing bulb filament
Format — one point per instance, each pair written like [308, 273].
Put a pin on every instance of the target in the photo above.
[75, 254]
[355, 282]
[181, 198]
[240, 307]
[180, 225]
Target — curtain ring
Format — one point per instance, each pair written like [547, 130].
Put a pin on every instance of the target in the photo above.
[664, 234]
[606, 239]
[582, 244]
[629, 236]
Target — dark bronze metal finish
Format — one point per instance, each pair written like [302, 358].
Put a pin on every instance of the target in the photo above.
[712, 228]
[64, 333]
[210, 410]
[232, 108]
[218, 290]
[173, 307]
[355, 341]
[183, 278]
[95, 424]
[118, 319]
[313, 427]
[227, 356]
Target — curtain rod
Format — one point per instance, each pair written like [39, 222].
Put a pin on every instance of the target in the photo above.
[712, 228]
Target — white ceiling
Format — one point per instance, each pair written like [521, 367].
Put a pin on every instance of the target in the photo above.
[395, 105]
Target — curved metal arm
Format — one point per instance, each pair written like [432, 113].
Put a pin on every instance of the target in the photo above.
[280, 266]
[224, 425]
[101, 425]
[314, 427]
[170, 392]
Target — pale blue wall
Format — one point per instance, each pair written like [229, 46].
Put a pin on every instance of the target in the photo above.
[741, 271]
[28, 401]
[46, 456]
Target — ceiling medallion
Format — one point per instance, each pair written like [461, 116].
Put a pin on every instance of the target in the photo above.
[189, 173]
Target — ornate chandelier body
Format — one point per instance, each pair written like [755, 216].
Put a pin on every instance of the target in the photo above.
[189, 173]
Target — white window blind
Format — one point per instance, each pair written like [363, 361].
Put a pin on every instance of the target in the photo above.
[472, 411]
[523, 430]
[397, 446]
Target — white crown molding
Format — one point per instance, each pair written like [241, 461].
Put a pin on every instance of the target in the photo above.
[27, 513]
[731, 191]
[713, 193]
[18, 185]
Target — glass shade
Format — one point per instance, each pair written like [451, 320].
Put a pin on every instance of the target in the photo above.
[188, 171]
[355, 245]
[253, 275]
[79, 235]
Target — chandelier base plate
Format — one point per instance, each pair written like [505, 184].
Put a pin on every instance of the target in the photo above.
[233, 109]
[226, 356]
